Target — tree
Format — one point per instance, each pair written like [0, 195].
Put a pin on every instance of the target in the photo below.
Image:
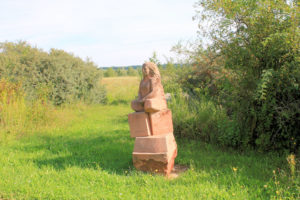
[110, 72]
[121, 71]
[258, 41]
[132, 72]
[154, 59]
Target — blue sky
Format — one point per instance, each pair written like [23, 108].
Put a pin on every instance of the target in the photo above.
[110, 32]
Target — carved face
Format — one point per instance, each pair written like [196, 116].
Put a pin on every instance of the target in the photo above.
[146, 70]
[150, 69]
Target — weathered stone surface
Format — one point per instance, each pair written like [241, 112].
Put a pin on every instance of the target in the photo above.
[139, 124]
[161, 122]
[155, 162]
[155, 153]
[154, 105]
[155, 144]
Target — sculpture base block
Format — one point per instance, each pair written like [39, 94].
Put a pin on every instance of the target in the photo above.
[155, 153]
[161, 163]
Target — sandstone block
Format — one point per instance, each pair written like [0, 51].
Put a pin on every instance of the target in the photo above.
[139, 124]
[155, 153]
[155, 144]
[161, 122]
[154, 105]
[155, 162]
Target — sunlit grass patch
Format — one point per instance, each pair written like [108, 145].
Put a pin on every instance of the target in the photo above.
[88, 156]
[121, 89]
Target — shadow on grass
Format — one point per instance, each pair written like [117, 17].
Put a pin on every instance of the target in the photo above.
[119, 102]
[249, 165]
[110, 151]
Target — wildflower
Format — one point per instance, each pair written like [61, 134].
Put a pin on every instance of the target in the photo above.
[265, 186]
[234, 169]
[277, 192]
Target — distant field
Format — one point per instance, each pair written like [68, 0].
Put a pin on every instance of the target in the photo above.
[121, 89]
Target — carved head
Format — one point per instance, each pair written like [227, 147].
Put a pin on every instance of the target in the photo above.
[150, 68]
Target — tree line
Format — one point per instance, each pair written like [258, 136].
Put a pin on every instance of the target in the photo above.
[121, 71]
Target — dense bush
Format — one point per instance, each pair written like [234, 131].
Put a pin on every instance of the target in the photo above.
[58, 75]
[250, 70]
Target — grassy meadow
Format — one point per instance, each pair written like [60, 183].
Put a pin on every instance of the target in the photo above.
[86, 154]
[121, 89]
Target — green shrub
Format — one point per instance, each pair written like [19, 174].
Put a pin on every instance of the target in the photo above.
[203, 120]
[110, 72]
[64, 77]
[277, 109]
[251, 70]
[132, 72]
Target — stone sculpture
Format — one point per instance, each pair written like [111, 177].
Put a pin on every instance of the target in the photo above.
[155, 147]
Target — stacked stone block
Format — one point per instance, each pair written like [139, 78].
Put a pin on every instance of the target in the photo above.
[155, 147]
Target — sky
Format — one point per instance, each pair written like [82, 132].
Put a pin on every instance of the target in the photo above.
[109, 32]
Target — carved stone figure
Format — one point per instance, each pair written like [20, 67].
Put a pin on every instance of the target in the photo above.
[155, 147]
[151, 95]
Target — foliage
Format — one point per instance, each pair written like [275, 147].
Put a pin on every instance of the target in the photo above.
[121, 90]
[132, 72]
[18, 116]
[250, 68]
[120, 71]
[110, 72]
[154, 59]
[61, 76]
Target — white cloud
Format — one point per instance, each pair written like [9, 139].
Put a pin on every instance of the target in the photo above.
[111, 32]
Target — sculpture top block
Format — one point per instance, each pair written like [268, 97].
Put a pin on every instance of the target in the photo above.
[151, 96]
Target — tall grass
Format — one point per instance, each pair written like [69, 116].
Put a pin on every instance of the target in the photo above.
[193, 119]
[18, 116]
[121, 89]
[202, 119]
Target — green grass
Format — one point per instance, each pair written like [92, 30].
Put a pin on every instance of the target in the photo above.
[89, 157]
[121, 89]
